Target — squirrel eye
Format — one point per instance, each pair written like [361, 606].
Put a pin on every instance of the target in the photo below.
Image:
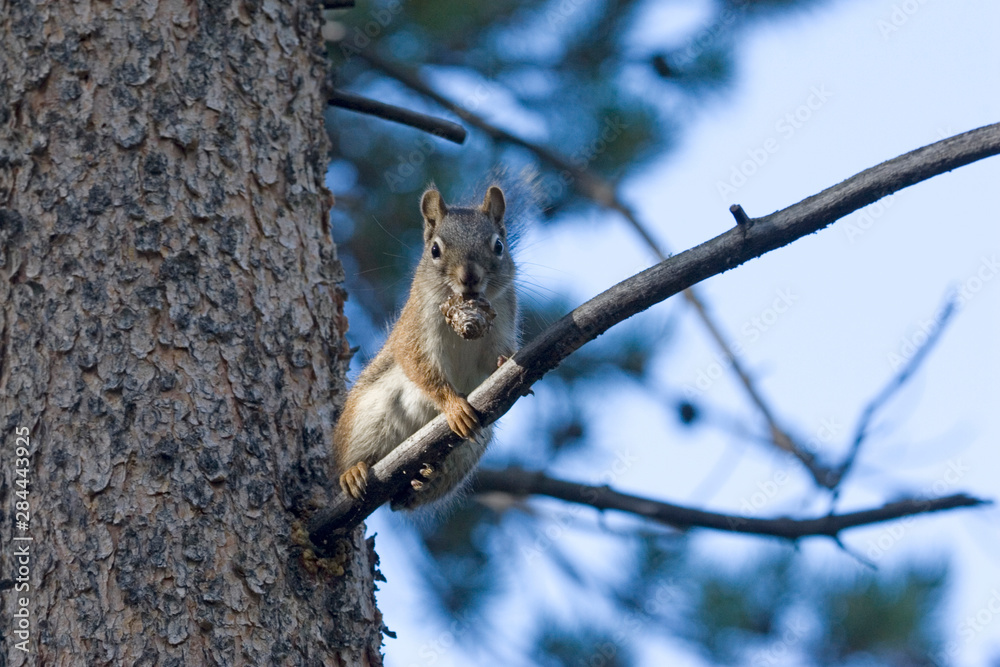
[435, 250]
[498, 247]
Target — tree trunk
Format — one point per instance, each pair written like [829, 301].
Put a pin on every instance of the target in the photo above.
[171, 339]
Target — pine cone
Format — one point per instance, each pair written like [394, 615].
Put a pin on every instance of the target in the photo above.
[470, 318]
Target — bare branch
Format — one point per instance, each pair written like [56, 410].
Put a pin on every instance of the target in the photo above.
[338, 4]
[894, 385]
[392, 475]
[520, 482]
[436, 126]
[605, 194]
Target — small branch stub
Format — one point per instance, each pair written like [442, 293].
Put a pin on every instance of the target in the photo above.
[742, 219]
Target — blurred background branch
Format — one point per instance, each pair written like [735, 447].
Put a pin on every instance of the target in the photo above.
[519, 482]
[439, 127]
[893, 387]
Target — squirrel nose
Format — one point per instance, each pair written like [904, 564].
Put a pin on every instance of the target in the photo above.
[469, 277]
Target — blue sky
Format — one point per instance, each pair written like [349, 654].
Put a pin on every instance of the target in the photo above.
[820, 96]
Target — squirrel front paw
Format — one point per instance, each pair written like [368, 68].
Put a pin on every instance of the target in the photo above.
[461, 416]
[355, 480]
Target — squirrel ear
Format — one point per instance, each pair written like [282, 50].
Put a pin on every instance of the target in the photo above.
[433, 209]
[494, 205]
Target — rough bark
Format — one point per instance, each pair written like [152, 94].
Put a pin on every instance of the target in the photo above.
[171, 337]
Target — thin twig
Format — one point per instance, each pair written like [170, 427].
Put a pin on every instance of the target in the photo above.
[392, 475]
[779, 436]
[894, 385]
[519, 482]
[436, 126]
[338, 4]
[862, 560]
[605, 194]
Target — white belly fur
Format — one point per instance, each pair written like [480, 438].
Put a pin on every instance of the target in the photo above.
[393, 409]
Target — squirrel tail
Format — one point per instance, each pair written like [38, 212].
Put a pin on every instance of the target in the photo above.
[523, 193]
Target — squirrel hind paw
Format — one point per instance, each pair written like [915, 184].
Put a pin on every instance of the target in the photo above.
[427, 473]
[355, 480]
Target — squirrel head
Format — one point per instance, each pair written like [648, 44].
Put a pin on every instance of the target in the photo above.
[467, 247]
